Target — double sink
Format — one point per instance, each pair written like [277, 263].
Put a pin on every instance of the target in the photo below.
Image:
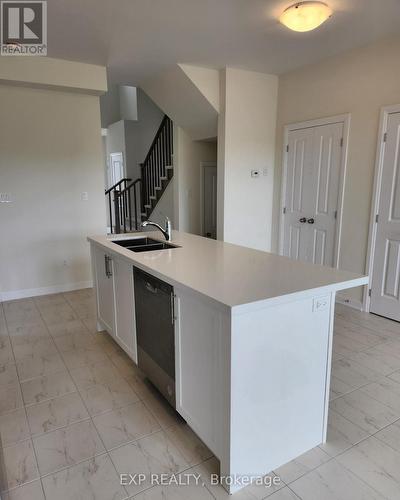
[145, 244]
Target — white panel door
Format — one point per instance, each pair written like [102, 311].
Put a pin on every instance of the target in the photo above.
[312, 193]
[385, 293]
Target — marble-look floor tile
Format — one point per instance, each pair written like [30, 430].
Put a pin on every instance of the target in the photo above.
[73, 341]
[91, 324]
[376, 464]
[164, 413]
[6, 353]
[339, 388]
[41, 346]
[394, 376]
[30, 491]
[141, 385]
[345, 346]
[10, 398]
[302, 464]
[97, 374]
[54, 315]
[154, 454]
[183, 492]
[386, 391]
[37, 366]
[377, 361]
[364, 411]
[284, 494]
[391, 347]
[14, 427]
[390, 435]
[331, 481]
[28, 333]
[351, 331]
[342, 434]
[352, 373]
[111, 396]
[74, 326]
[83, 357]
[84, 309]
[124, 364]
[47, 387]
[54, 299]
[126, 424]
[8, 374]
[20, 464]
[67, 446]
[56, 413]
[94, 479]
[191, 447]
[208, 469]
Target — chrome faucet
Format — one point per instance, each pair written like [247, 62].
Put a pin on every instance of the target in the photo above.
[166, 232]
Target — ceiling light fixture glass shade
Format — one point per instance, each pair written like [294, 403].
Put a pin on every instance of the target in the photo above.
[305, 16]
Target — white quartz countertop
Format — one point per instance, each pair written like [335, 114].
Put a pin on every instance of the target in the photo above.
[230, 274]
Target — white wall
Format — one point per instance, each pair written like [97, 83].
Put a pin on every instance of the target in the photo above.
[50, 152]
[115, 142]
[358, 82]
[188, 155]
[184, 102]
[246, 141]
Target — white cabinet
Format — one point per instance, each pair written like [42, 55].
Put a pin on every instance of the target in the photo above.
[124, 303]
[115, 298]
[103, 267]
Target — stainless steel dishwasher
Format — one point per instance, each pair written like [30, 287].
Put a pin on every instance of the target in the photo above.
[154, 309]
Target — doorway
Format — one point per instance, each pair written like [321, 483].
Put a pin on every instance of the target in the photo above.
[312, 189]
[384, 268]
[208, 197]
[116, 169]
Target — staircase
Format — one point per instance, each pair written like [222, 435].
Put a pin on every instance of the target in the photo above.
[131, 202]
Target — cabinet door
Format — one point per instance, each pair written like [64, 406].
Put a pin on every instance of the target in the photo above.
[105, 289]
[125, 326]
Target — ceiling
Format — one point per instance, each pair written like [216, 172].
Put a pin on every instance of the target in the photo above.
[136, 39]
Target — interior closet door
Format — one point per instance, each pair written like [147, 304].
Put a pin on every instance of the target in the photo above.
[385, 291]
[312, 191]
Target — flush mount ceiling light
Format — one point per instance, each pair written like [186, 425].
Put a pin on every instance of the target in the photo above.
[305, 16]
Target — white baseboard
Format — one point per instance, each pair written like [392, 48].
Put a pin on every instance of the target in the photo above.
[354, 304]
[46, 290]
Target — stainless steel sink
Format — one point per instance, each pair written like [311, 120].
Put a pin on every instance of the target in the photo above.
[145, 244]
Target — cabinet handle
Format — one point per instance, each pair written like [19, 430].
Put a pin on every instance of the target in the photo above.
[107, 260]
[173, 308]
[303, 220]
[311, 220]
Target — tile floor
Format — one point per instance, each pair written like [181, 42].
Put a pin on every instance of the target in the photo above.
[75, 413]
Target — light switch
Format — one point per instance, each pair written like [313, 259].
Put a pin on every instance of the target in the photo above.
[85, 196]
[6, 198]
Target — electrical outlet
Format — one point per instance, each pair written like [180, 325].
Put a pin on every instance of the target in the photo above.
[320, 303]
[85, 196]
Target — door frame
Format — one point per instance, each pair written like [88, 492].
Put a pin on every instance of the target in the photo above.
[202, 165]
[345, 119]
[376, 195]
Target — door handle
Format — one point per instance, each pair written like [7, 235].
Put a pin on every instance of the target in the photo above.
[310, 220]
[303, 220]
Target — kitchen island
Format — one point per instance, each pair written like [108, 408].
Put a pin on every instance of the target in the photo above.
[252, 340]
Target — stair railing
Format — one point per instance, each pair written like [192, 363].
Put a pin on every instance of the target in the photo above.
[112, 194]
[153, 169]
